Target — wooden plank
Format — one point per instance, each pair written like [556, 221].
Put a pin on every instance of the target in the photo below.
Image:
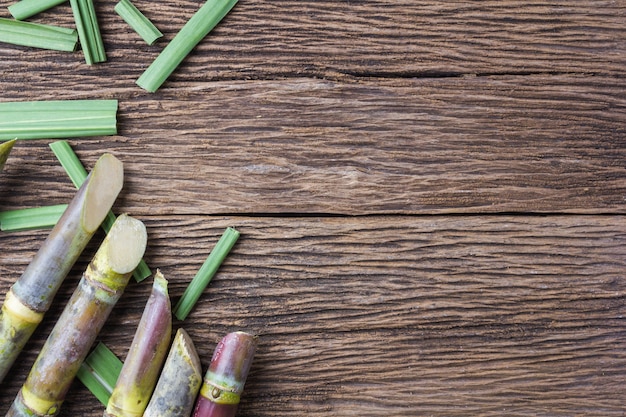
[339, 39]
[365, 316]
[469, 145]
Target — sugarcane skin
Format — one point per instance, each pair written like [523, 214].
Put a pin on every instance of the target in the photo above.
[149, 348]
[225, 379]
[37, 286]
[17, 324]
[40, 281]
[74, 333]
[180, 380]
[67, 346]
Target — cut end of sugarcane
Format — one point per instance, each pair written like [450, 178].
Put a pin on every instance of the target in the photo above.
[160, 283]
[183, 341]
[105, 183]
[127, 243]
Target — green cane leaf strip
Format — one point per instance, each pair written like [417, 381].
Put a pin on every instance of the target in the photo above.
[137, 21]
[99, 372]
[24, 9]
[88, 31]
[196, 28]
[57, 119]
[37, 35]
[31, 218]
[205, 273]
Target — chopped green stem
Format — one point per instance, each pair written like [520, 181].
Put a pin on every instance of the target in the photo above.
[99, 372]
[179, 382]
[32, 294]
[200, 24]
[88, 31]
[147, 352]
[5, 150]
[205, 273]
[224, 380]
[24, 9]
[31, 218]
[77, 173]
[68, 344]
[37, 35]
[137, 21]
[57, 119]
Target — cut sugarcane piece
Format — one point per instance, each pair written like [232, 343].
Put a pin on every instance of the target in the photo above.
[78, 326]
[32, 294]
[5, 150]
[180, 380]
[147, 352]
[77, 173]
[224, 381]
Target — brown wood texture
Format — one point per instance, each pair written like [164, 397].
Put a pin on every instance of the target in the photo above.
[495, 315]
[431, 197]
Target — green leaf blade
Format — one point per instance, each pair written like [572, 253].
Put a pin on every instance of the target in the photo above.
[205, 273]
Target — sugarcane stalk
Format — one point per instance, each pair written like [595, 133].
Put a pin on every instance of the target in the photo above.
[32, 294]
[145, 357]
[224, 381]
[5, 150]
[68, 344]
[180, 380]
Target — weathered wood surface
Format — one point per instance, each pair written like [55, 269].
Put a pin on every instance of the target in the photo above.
[504, 144]
[455, 316]
[386, 163]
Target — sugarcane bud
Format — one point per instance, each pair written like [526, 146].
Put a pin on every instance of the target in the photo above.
[225, 379]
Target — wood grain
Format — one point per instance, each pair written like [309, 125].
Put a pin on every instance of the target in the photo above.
[440, 315]
[338, 39]
[473, 145]
[431, 197]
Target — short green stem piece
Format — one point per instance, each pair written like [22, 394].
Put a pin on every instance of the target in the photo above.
[31, 218]
[24, 9]
[88, 31]
[200, 24]
[205, 273]
[38, 35]
[138, 21]
[57, 119]
[99, 372]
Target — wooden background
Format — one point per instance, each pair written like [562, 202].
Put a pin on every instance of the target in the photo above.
[431, 198]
